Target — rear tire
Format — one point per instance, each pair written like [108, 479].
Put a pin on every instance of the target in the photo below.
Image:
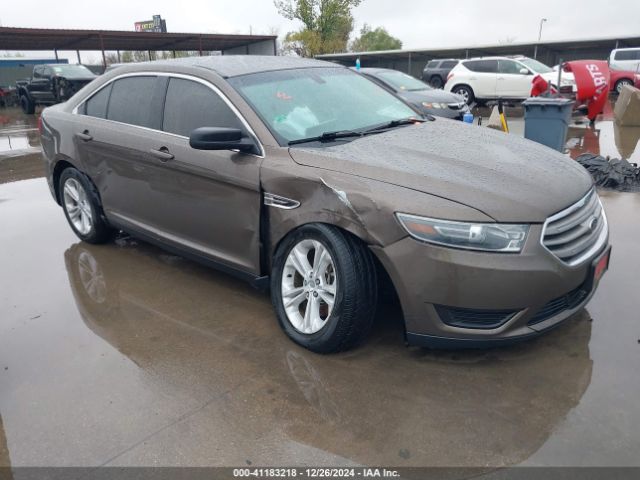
[338, 286]
[465, 92]
[436, 82]
[28, 106]
[621, 83]
[81, 205]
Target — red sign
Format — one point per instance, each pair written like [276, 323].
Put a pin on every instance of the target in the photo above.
[592, 83]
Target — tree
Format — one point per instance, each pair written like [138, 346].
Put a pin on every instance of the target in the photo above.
[327, 25]
[373, 40]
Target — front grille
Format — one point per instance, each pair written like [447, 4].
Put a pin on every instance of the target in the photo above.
[473, 318]
[578, 232]
[558, 305]
[456, 106]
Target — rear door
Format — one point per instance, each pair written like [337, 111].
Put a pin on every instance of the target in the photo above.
[483, 77]
[116, 147]
[511, 83]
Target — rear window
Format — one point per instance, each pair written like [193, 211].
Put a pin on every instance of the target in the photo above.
[96, 106]
[483, 66]
[433, 63]
[627, 55]
[190, 105]
[131, 101]
[449, 64]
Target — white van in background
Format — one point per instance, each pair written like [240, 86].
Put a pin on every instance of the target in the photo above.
[625, 59]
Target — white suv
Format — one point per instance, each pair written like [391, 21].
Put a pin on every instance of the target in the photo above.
[490, 78]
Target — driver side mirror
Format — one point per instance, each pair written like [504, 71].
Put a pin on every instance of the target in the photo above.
[525, 71]
[219, 138]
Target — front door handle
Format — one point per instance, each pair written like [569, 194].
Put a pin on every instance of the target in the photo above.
[162, 153]
[84, 136]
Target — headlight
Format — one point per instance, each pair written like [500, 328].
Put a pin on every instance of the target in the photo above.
[491, 237]
[434, 105]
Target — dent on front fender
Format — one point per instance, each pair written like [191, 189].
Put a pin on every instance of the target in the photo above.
[361, 206]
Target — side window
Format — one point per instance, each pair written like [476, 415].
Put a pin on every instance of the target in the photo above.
[482, 66]
[190, 105]
[627, 55]
[509, 67]
[96, 106]
[433, 63]
[47, 72]
[131, 101]
[449, 64]
[37, 72]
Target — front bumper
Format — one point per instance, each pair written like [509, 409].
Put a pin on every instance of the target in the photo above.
[453, 114]
[427, 277]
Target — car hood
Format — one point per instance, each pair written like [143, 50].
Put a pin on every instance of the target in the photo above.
[431, 96]
[552, 77]
[506, 177]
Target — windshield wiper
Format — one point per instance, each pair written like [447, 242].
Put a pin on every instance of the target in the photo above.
[328, 136]
[395, 123]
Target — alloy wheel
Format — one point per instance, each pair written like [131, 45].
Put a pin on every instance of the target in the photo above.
[621, 84]
[76, 203]
[464, 93]
[92, 277]
[309, 286]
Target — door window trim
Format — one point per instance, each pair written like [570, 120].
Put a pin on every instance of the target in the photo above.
[183, 76]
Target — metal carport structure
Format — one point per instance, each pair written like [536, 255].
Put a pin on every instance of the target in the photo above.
[30, 39]
[413, 61]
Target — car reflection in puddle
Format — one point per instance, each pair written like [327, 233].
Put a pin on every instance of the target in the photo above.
[193, 330]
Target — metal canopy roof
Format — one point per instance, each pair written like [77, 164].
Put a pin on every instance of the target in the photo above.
[55, 39]
[488, 50]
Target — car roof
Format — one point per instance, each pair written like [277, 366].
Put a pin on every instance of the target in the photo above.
[374, 70]
[236, 65]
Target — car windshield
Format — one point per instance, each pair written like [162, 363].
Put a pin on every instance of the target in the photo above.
[535, 65]
[71, 71]
[303, 103]
[402, 81]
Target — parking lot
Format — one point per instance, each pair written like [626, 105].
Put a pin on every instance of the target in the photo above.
[123, 354]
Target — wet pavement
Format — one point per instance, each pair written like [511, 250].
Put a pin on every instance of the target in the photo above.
[123, 354]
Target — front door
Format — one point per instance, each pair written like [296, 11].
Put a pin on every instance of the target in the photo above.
[512, 82]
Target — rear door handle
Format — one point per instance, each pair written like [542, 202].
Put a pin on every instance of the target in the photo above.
[162, 153]
[84, 136]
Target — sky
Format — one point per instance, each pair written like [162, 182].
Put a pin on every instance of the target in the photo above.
[418, 23]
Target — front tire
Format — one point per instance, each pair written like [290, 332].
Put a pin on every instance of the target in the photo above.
[324, 288]
[621, 83]
[82, 208]
[465, 92]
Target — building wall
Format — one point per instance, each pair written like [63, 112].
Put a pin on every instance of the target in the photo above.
[266, 47]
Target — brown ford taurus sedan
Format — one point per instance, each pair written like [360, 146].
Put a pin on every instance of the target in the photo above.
[303, 175]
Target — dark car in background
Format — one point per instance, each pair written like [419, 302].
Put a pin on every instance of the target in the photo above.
[418, 94]
[436, 71]
[51, 84]
[306, 177]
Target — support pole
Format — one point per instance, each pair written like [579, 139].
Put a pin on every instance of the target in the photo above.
[104, 57]
[200, 44]
[118, 53]
[174, 53]
[55, 51]
[78, 55]
[409, 64]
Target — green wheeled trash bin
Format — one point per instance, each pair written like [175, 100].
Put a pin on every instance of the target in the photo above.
[546, 120]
